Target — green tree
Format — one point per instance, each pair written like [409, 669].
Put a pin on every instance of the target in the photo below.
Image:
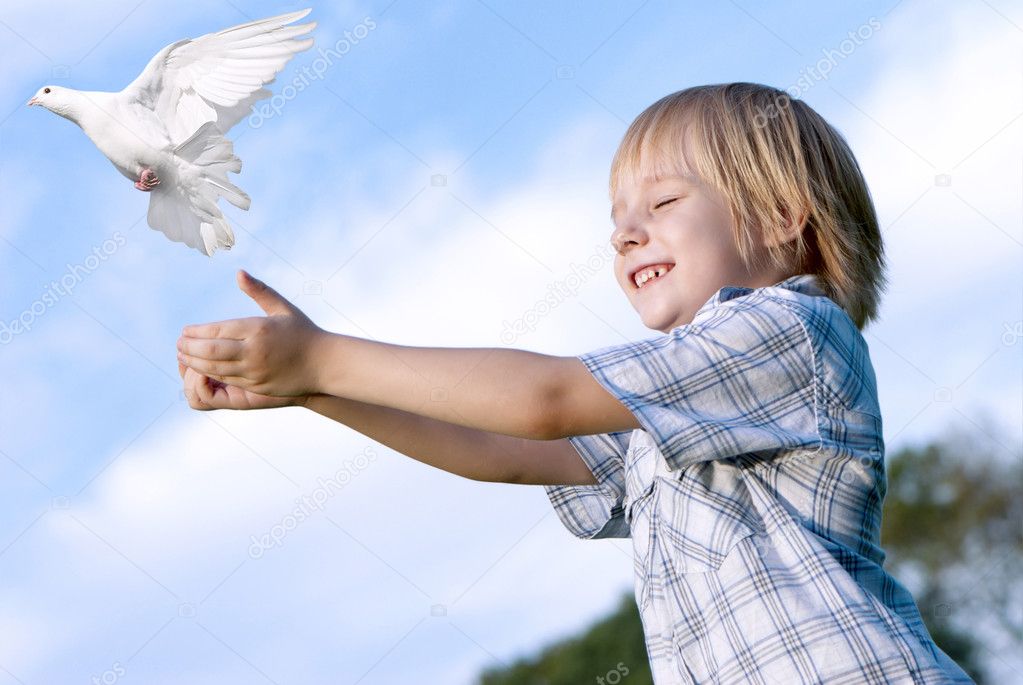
[953, 522]
[612, 645]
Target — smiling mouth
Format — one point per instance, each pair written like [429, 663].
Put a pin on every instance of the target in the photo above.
[644, 279]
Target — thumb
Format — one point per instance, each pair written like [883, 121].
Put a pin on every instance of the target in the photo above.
[269, 300]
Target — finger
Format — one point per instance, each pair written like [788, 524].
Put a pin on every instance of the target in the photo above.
[210, 368]
[268, 299]
[192, 392]
[206, 392]
[214, 350]
[203, 395]
[215, 382]
[234, 329]
[218, 382]
[181, 369]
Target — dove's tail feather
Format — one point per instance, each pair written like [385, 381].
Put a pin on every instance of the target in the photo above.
[173, 212]
[184, 206]
[209, 150]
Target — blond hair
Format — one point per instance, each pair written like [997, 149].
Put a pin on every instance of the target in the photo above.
[773, 157]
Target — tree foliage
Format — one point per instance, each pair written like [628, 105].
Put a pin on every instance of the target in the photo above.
[953, 526]
[610, 651]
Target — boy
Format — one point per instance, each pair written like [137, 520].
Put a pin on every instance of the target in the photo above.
[741, 449]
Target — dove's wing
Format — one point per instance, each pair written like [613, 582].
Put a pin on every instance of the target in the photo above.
[217, 77]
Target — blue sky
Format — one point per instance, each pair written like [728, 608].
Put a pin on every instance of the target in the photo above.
[428, 190]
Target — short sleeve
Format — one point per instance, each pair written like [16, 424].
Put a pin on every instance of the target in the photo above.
[596, 511]
[741, 378]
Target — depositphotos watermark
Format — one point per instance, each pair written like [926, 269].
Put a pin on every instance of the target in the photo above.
[109, 676]
[819, 71]
[311, 72]
[73, 275]
[1012, 332]
[311, 502]
[557, 292]
[615, 675]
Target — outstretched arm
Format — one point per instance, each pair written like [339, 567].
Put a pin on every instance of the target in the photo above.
[510, 392]
[466, 452]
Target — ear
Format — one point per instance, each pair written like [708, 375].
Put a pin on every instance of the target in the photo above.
[792, 225]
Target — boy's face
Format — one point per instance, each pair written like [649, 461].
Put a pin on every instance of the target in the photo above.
[681, 222]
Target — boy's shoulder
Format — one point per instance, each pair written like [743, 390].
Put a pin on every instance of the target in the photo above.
[839, 354]
[801, 296]
[804, 289]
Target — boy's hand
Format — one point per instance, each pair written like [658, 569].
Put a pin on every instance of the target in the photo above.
[267, 355]
[205, 393]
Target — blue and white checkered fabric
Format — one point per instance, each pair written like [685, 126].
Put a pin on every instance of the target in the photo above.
[752, 494]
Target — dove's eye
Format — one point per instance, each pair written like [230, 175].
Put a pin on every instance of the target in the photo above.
[46, 90]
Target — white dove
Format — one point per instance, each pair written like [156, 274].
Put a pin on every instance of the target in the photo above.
[165, 131]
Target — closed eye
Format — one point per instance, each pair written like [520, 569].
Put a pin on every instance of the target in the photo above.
[665, 202]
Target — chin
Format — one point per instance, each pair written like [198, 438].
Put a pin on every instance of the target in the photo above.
[666, 324]
[661, 316]
[658, 323]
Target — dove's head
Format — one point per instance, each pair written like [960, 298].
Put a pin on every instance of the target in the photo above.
[57, 99]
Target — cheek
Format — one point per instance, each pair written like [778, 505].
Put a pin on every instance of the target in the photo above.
[712, 235]
[618, 273]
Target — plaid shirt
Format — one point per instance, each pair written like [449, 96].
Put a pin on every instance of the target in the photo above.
[752, 494]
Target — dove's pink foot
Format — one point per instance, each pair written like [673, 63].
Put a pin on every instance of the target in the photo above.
[147, 180]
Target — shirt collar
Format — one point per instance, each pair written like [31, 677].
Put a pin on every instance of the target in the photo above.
[808, 284]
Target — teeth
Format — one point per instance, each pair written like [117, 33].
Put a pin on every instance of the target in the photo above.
[642, 278]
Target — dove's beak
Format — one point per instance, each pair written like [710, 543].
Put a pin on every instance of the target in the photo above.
[33, 101]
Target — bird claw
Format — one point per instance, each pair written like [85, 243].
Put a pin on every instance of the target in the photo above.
[147, 180]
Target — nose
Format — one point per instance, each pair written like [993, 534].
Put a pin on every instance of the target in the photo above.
[629, 236]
